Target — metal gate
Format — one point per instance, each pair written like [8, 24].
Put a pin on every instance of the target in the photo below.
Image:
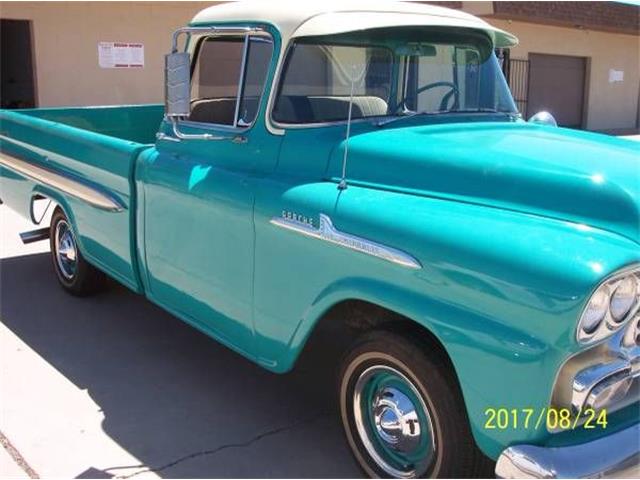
[518, 78]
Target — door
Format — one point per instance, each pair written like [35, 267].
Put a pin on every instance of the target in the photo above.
[17, 88]
[557, 84]
[198, 194]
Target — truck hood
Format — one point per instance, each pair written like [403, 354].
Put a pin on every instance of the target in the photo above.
[581, 177]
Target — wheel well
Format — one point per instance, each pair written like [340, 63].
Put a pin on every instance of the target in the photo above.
[339, 328]
[343, 323]
[39, 206]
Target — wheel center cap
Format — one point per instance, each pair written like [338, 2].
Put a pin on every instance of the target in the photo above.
[396, 420]
[66, 253]
[67, 249]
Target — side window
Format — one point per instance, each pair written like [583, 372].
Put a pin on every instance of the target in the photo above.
[216, 79]
[258, 58]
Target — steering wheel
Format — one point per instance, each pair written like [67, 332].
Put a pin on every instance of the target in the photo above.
[453, 92]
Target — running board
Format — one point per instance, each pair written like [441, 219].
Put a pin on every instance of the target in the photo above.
[35, 235]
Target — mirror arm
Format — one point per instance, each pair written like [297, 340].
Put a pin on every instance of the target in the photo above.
[187, 136]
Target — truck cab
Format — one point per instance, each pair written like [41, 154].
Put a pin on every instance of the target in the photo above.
[365, 169]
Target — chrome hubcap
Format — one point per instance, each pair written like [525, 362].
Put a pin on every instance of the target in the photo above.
[396, 420]
[66, 251]
[393, 422]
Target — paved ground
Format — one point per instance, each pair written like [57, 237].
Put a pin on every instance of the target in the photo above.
[112, 386]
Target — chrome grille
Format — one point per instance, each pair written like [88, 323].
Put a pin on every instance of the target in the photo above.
[632, 335]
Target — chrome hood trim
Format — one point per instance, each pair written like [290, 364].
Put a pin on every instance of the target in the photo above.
[327, 232]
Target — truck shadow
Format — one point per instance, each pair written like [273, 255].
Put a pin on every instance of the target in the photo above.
[181, 403]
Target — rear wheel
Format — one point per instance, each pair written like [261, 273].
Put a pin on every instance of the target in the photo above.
[74, 273]
[403, 413]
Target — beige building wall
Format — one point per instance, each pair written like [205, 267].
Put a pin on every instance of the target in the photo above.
[65, 42]
[66, 36]
[609, 106]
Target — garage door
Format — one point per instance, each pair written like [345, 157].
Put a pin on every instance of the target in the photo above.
[556, 84]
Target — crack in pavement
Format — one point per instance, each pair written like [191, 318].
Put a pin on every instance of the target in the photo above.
[216, 450]
[17, 457]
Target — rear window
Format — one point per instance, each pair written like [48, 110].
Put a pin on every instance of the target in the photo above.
[317, 81]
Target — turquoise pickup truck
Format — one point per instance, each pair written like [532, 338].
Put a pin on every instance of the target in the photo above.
[361, 169]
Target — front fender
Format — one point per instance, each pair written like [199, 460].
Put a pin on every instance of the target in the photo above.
[501, 290]
[448, 323]
[485, 353]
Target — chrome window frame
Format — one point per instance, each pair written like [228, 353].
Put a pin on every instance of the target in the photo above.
[248, 32]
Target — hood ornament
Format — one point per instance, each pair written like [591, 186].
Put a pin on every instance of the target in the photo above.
[543, 118]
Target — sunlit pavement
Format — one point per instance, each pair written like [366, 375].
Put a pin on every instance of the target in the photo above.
[112, 386]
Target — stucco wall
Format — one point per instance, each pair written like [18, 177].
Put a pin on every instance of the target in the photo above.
[66, 36]
[610, 106]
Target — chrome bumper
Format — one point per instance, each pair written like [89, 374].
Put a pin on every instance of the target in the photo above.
[616, 455]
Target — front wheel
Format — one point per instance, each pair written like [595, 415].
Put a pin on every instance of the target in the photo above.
[403, 413]
[75, 274]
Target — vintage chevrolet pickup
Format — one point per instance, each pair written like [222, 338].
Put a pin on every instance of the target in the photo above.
[362, 167]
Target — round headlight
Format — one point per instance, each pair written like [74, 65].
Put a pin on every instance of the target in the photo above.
[623, 298]
[596, 310]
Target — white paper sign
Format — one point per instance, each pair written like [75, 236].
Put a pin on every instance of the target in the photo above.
[616, 76]
[120, 55]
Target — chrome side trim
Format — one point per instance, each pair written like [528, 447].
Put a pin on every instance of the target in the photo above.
[61, 182]
[327, 232]
[614, 456]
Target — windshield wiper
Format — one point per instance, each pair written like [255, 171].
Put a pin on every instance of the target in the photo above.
[382, 123]
[478, 110]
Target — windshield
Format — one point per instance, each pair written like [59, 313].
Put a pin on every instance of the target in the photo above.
[391, 74]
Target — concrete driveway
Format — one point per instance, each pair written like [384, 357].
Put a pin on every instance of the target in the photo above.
[112, 386]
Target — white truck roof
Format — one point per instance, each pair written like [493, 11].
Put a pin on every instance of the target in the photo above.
[301, 18]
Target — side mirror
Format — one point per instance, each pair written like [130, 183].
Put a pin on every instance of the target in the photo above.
[177, 77]
[177, 95]
[544, 118]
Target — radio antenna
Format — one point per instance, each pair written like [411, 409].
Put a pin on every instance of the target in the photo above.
[343, 180]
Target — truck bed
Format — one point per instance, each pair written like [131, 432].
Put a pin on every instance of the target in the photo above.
[135, 123]
[84, 159]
